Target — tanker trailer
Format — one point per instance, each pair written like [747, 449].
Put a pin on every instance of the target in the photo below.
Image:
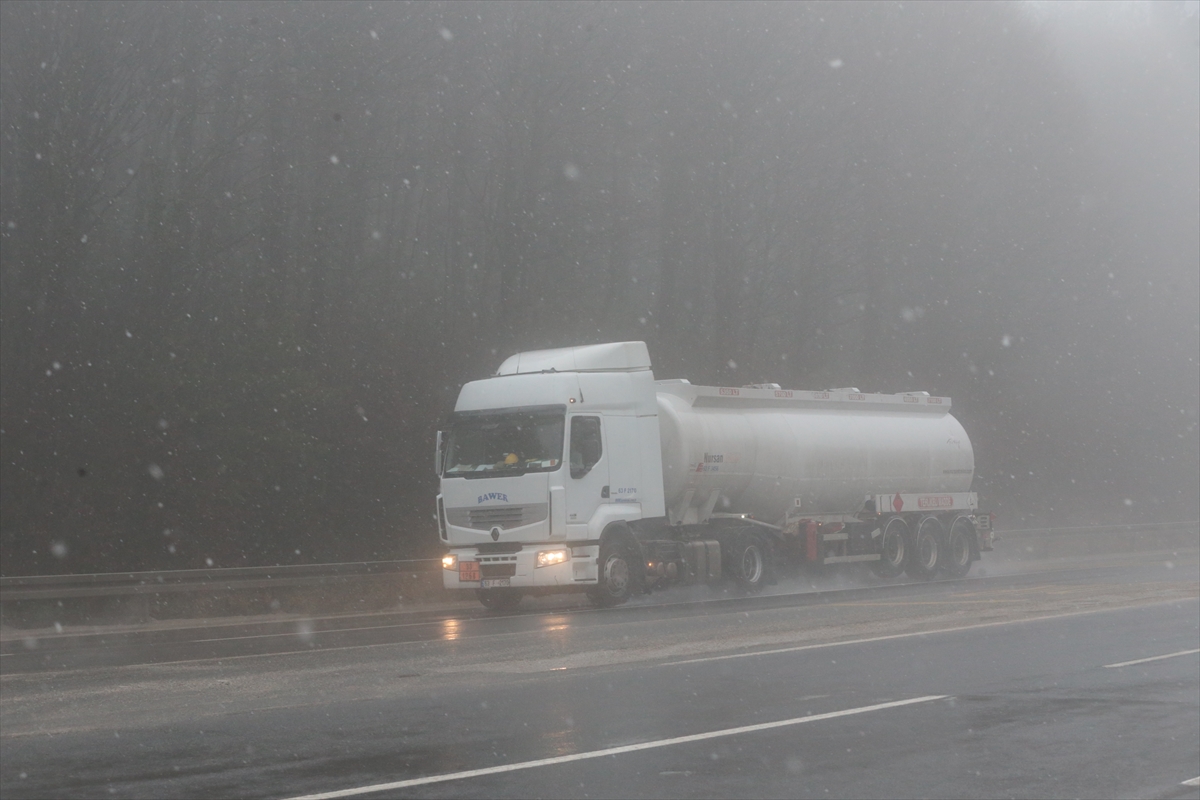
[574, 470]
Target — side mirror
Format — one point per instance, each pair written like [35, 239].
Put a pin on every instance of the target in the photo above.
[437, 456]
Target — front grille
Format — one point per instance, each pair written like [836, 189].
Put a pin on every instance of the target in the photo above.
[486, 518]
[491, 548]
[504, 516]
[497, 570]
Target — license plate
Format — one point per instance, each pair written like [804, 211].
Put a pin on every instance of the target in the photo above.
[468, 570]
[493, 583]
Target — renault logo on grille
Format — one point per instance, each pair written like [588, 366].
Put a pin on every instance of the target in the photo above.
[495, 534]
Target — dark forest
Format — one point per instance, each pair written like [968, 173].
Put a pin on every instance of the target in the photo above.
[250, 251]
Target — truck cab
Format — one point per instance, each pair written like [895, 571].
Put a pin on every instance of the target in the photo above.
[537, 461]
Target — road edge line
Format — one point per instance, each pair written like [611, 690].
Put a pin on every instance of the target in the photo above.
[910, 634]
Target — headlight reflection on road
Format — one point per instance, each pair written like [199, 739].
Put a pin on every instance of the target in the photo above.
[562, 741]
[451, 629]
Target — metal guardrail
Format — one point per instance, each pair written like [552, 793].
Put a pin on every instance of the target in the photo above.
[112, 584]
[1131, 528]
[115, 584]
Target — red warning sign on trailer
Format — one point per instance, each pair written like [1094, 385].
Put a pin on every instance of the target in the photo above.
[951, 501]
[935, 501]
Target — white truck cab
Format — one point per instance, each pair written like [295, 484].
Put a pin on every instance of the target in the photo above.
[539, 459]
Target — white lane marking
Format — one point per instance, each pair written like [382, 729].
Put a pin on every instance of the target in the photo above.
[1193, 782]
[923, 633]
[1152, 658]
[610, 751]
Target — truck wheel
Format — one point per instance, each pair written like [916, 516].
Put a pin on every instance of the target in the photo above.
[749, 563]
[958, 547]
[617, 565]
[499, 599]
[928, 550]
[893, 548]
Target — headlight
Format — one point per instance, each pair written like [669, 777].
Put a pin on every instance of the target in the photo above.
[450, 561]
[548, 558]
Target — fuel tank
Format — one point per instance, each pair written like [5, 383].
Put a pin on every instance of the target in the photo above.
[765, 451]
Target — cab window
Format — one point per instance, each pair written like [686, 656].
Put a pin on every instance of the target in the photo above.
[586, 448]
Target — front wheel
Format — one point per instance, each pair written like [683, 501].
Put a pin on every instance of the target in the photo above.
[749, 563]
[499, 599]
[958, 547]
[893, 549]
[928, 548]
[617, 576]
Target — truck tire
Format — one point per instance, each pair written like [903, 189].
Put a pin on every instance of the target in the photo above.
[750, 564]
[959, 555]
[893, 548]
[617, 573]
[929, 545]
[499, 599]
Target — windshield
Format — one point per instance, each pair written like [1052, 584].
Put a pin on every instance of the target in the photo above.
[505, 441]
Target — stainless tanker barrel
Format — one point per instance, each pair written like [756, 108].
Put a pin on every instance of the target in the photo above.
[759, 450]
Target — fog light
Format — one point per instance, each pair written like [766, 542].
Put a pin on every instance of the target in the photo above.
[548, 558]
[450, 561]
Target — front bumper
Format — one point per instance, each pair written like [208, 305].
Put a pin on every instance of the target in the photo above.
[521, 570]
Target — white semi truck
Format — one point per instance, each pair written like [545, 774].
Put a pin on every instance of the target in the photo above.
[574, 470]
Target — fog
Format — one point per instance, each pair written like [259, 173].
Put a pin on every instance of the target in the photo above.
[250, 251]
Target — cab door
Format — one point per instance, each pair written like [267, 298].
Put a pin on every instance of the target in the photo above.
[587, 485]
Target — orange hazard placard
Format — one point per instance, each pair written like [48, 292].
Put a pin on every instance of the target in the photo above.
[468, 570]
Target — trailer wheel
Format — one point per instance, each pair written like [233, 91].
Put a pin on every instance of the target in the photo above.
[617, 577]
[928, 550]
[893, 548]
[749, 564]
[499, 599]
[958, 547]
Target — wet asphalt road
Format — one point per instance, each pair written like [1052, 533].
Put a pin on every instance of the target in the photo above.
[39, 651]
[1027, 706]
